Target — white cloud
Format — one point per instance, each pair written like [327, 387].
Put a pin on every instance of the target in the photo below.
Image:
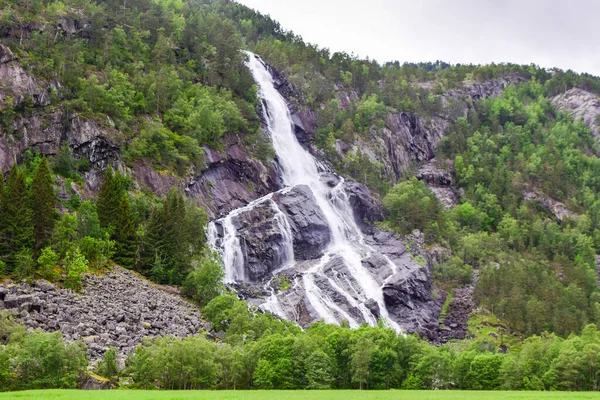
[550, 33]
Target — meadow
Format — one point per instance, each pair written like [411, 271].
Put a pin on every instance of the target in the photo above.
[291, 395]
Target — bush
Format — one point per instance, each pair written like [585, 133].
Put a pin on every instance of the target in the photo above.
[75, 266]
[109, 367]
[205, 282]
[97, 252]
[175, 364]
[453, 272]
[47, 264]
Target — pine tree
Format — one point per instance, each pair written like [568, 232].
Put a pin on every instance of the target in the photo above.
[152, 245]
[19, 231]
[109, 199]
[2, 216]
[124, 235]
[43, 205]
[175, 238]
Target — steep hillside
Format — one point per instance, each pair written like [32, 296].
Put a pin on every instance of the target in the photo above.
[126, 127]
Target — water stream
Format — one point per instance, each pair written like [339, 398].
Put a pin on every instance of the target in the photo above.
[299, 167]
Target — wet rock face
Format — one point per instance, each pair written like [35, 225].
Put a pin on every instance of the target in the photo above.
[305, 122]
[308, 224]
[289, 224]
[262, 241]
[115, 310]
[367, 209]
[406, 289]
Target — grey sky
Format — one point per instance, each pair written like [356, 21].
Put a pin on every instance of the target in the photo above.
[550, 33]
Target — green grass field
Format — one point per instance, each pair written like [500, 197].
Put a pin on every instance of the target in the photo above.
[291, 395]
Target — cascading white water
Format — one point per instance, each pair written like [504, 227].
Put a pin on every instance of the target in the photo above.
[299, 167]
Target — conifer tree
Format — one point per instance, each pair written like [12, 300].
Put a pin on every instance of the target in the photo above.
[152, 244]
[109, 199]
[2, 218]
[43, 205]
[19, 232]
[124, 235]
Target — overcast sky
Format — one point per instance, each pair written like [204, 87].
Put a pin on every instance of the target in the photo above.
[550, 33]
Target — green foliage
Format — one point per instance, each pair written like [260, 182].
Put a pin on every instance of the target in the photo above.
[75, 266]
[18, 232]
[64, 164]
[109, 367]
[98, 252]
[110, 197]
[205, 114]
[175, 363]
[41, 361]
[124, 235]
[205, 282]
[65, 234]
[412, 205]
[24, 264]
[43, 204]
[165, 148]
[47, 263]
[453, 272]
[173, 238]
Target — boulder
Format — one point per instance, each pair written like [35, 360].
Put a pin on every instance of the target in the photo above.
[91, 381]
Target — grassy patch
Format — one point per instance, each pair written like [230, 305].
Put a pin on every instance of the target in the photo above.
[446, 306]
[490, 327]
[291, 395]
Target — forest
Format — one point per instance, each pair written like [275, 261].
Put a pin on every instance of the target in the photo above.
[168, 77]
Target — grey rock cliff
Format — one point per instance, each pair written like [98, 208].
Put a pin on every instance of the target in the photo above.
[580, 105]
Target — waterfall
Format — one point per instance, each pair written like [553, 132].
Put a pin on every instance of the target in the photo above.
[299, 167]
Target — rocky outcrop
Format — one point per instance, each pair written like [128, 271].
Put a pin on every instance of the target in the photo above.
[456, 320]
[45, 132]
[6, 55]
[580, 105]
[367, 208]
[159, 182]
[21, 86]
[232, 179]
[91, 381]
[556, 208]
[439, 177]
[114, 310]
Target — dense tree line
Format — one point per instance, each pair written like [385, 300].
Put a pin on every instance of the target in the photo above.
[260, 352]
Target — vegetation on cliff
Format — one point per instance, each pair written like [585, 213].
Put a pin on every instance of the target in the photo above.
[167, 78]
